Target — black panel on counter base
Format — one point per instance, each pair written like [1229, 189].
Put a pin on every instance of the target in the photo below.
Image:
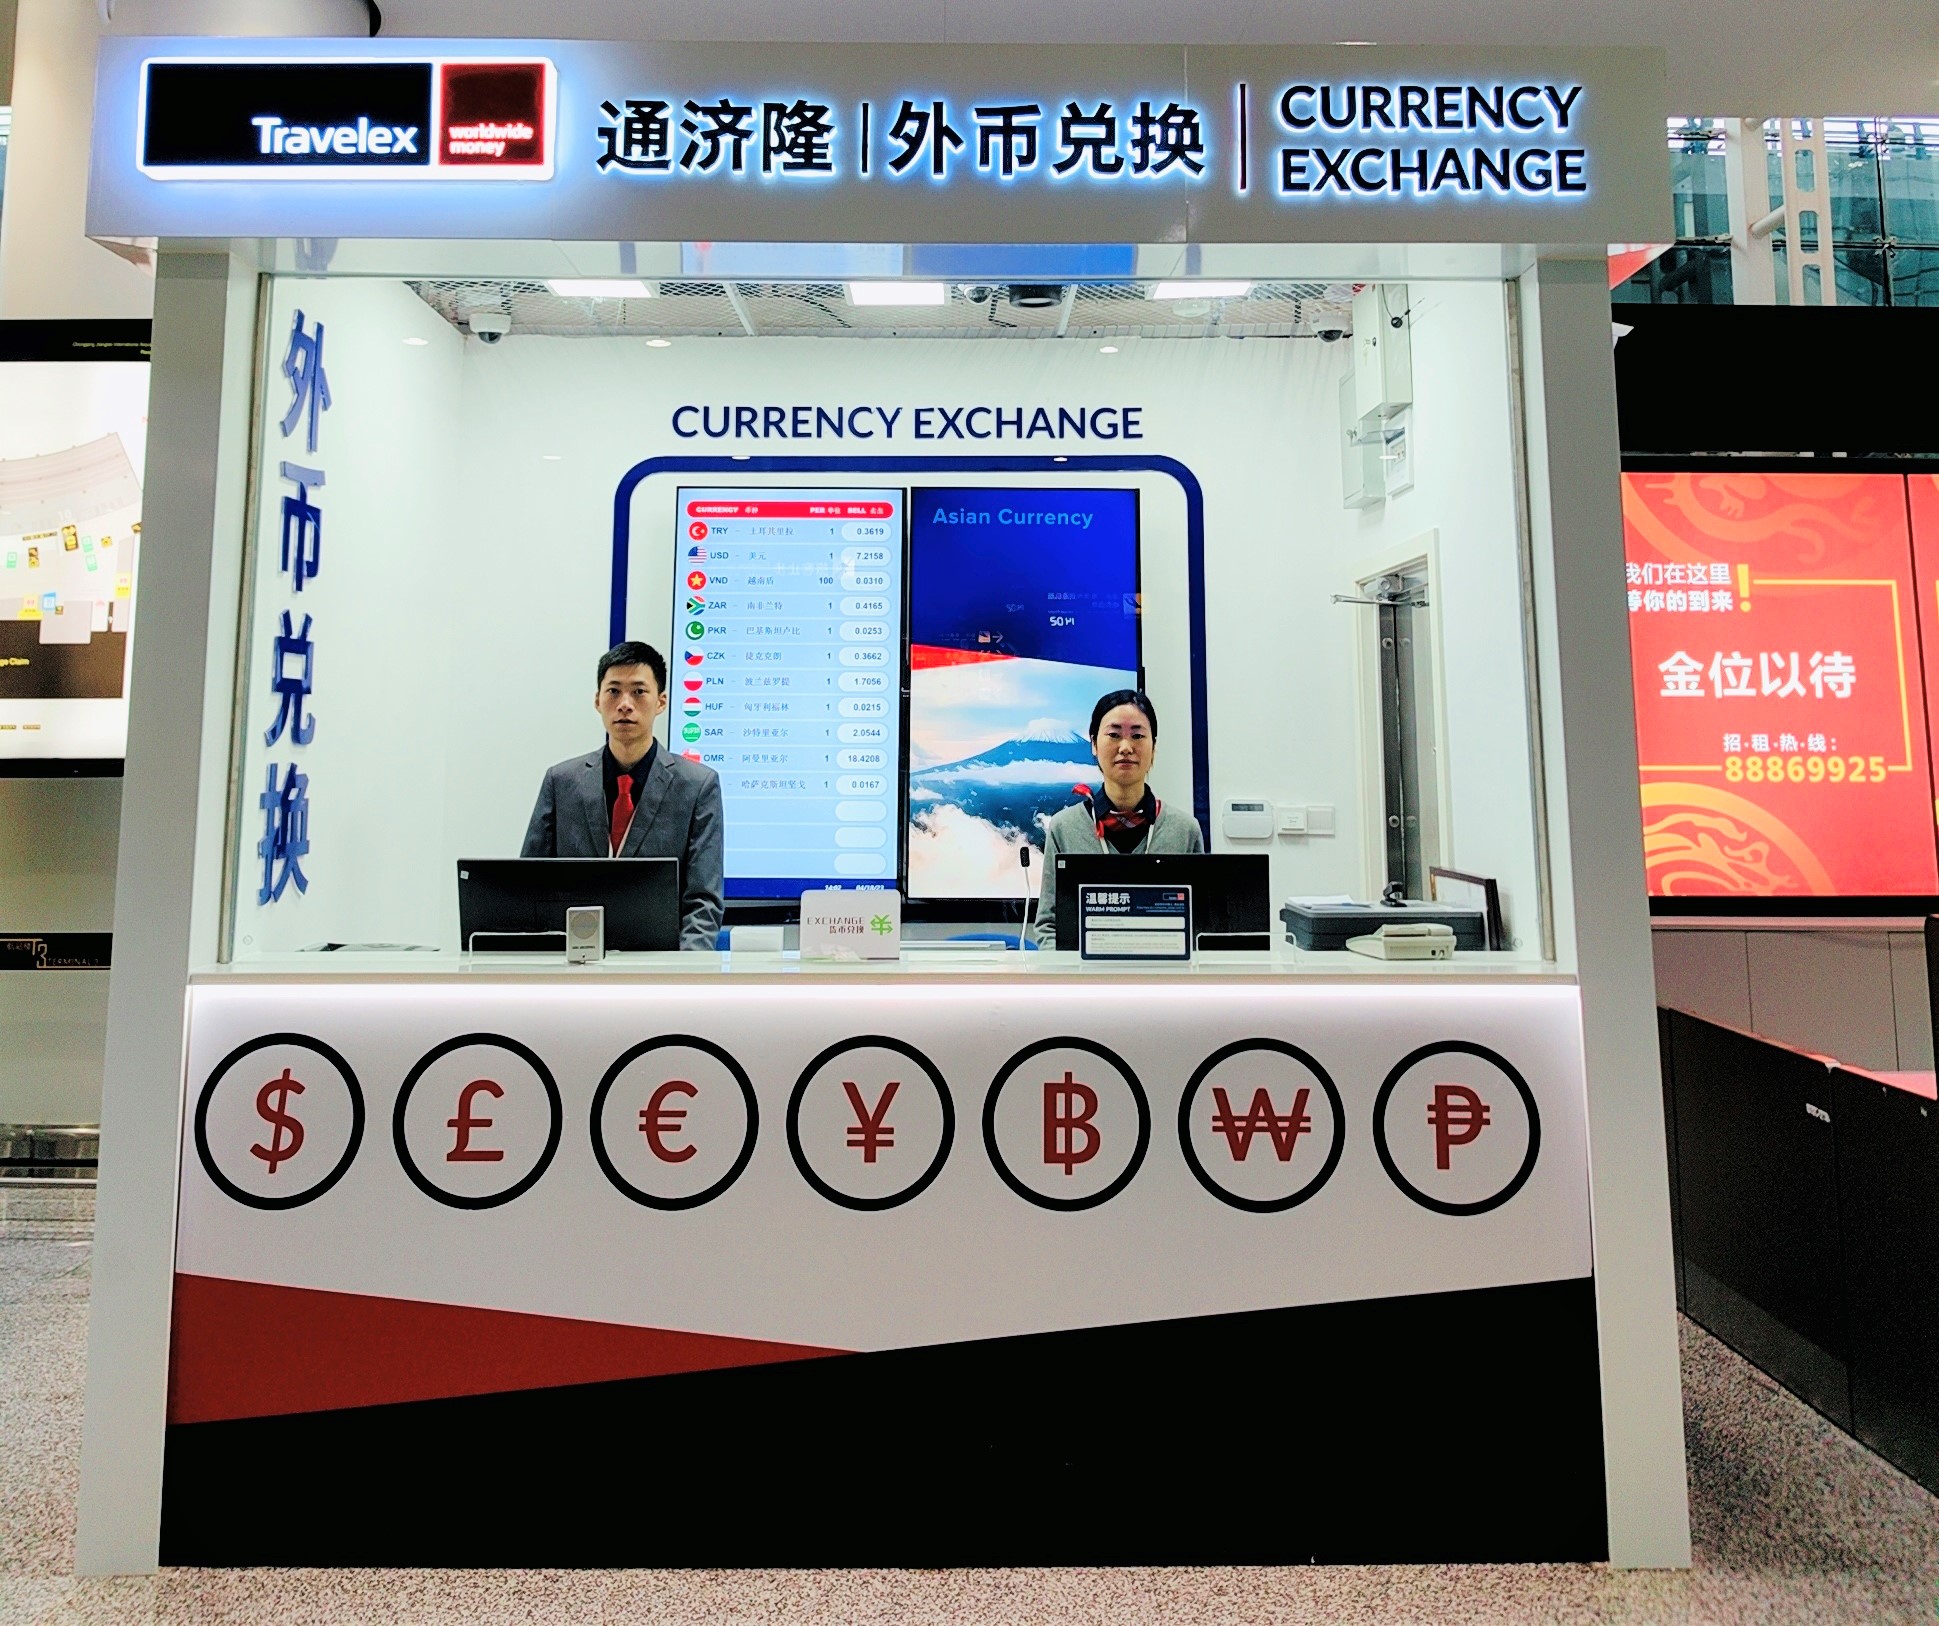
[1449, 1427]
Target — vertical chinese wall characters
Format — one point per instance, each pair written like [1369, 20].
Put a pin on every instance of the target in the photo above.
[285, 800]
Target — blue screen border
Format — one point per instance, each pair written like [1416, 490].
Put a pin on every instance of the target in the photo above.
[1168, 466]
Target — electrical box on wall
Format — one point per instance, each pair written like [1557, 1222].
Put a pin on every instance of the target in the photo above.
[1362, 473]
[1383, 352]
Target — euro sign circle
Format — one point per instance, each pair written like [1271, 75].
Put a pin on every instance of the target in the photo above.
[255, 1144]
[674, 1121]
[272, 1108]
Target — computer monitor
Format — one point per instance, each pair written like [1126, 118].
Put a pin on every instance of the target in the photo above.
[1231, 892]
[518, 905]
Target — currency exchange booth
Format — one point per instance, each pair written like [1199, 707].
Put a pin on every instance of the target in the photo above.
[907, 400]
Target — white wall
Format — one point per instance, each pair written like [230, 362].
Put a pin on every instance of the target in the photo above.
[469, 535]
[400, 692]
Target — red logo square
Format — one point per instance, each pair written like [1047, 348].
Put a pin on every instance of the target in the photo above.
[493, 113]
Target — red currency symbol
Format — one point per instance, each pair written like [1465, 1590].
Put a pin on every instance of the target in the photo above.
[657, 1120]
[1457, 1115]
[462, 1151]
[1260, 1119]
[869, 1134]
[277, 1116]
[1063, 1127]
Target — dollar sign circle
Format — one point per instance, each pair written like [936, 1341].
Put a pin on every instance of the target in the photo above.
[275, 1113]
[286, 1131]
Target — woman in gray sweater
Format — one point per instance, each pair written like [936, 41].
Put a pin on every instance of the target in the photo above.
[1122, 815]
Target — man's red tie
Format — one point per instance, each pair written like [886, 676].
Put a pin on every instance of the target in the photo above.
[622, 811]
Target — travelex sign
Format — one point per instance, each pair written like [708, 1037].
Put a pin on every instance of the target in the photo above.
[456, 119]
[434, 118]
[629, 142]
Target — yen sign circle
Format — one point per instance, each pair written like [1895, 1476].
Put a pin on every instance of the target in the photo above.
[855, 1135]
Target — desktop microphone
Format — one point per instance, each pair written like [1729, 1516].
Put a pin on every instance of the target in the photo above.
[1023, 858]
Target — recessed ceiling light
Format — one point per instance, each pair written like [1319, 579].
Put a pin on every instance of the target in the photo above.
[742, 457]
[600, 287]
[658, 344]
[549, 457]
[417, 341]
[1107, 350]
[898, 293]
[1202, 289]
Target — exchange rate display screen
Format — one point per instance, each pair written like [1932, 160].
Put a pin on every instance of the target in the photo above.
[1780, 704]
[1023, 610]
[786, 679]
[72, 438]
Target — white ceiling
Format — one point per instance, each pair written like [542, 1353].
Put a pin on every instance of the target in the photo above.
[1767, 57]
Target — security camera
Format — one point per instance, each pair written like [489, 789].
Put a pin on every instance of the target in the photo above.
[1326, 335]
[489, 326]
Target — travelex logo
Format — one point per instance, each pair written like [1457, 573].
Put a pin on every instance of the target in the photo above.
[1066, 1124]
[432, 118]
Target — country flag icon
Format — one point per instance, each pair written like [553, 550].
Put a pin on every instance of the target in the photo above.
[698, 530]
[691, 756]
[696, 630]
[696, 606]
[693, 685]
[698, 555]
[696, 580]
[691, 706]
[694, 657]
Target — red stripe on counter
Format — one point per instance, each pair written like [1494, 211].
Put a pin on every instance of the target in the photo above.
[244, 1349]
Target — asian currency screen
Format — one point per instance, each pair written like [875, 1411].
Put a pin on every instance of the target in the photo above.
[785, 678]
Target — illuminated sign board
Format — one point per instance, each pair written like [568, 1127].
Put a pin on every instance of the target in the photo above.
[422, 119]
[997, 144]
[1780, 714]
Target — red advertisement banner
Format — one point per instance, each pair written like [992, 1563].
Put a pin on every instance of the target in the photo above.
[1781, 722]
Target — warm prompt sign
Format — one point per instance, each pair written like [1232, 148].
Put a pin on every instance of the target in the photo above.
[417, 119]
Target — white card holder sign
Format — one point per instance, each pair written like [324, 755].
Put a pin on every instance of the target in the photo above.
[860, 923]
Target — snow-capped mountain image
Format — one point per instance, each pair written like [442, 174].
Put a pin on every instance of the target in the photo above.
[1010, 784]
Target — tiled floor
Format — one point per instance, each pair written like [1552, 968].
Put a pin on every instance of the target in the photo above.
[1794, 1523]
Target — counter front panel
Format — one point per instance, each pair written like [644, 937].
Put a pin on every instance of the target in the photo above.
[857, 1271]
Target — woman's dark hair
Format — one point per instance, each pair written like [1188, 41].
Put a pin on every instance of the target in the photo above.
[1124, 697]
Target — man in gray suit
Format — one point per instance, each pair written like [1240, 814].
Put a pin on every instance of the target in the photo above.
[630, 799]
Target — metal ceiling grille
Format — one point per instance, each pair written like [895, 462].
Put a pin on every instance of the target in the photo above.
[820, 310]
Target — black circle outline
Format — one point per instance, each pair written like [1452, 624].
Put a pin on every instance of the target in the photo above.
[526, 1054]
[227, 1186]
[619, 1181]
[895, 1199]
[1262, 1205]
[1067, 1205]
[1461, 1047]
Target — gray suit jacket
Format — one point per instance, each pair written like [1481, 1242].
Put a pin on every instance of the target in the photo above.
[675, 815]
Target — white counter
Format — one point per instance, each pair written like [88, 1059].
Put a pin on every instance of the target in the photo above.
[922, 964]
